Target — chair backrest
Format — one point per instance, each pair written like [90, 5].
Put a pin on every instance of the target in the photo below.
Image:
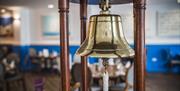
[32, 52]
[3, 52]
[77, 73]
[165, 54]
[1, 72]
[13, 57]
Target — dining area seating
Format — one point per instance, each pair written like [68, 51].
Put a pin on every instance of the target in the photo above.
[10, 73]
[118, 70]
[2, 80]
[76, 77]
[45, 63]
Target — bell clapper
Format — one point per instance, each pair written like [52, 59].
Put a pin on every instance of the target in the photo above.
[105, 75]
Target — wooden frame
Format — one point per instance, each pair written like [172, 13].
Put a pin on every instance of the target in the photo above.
[64, 43]
[139, 39]
[83, 18]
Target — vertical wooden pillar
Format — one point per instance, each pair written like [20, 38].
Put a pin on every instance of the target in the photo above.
[83, 18]
[64, 44]
[139, 40]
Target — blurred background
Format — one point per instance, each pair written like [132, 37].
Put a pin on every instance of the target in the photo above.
[29, 46]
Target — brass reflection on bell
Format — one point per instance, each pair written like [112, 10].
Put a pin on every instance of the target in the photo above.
[105, 37]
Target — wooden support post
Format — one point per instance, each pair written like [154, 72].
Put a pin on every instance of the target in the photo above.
[83, 18]
[64, 44]
[139, 40]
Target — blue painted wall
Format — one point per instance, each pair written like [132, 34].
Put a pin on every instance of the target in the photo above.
[158, 56]
[24, 50]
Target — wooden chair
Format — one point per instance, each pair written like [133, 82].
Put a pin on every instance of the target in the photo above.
[76, 77]
[123, 78]
[4, 50]
[13, 75]
[31, 58]
[2, 80]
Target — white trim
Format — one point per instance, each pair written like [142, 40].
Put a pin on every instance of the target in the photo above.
[10, 42]
[152, 41]
[52, 42]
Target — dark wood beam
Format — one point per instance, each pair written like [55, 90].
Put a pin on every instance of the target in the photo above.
[96, 2]
[64, 44]
[83, 18]
[139, 40]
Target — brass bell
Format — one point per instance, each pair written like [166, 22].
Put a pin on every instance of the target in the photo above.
[105, 37]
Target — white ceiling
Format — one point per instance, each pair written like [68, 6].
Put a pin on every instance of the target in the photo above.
[44, 3]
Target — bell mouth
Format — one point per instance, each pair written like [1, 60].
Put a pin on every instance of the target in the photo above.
[108, 53]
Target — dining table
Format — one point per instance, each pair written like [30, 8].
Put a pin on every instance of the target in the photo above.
[114, 77]
[45, 64]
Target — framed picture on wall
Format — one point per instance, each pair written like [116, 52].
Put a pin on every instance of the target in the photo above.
[6, 23]
[50, 25]
[168, 23]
